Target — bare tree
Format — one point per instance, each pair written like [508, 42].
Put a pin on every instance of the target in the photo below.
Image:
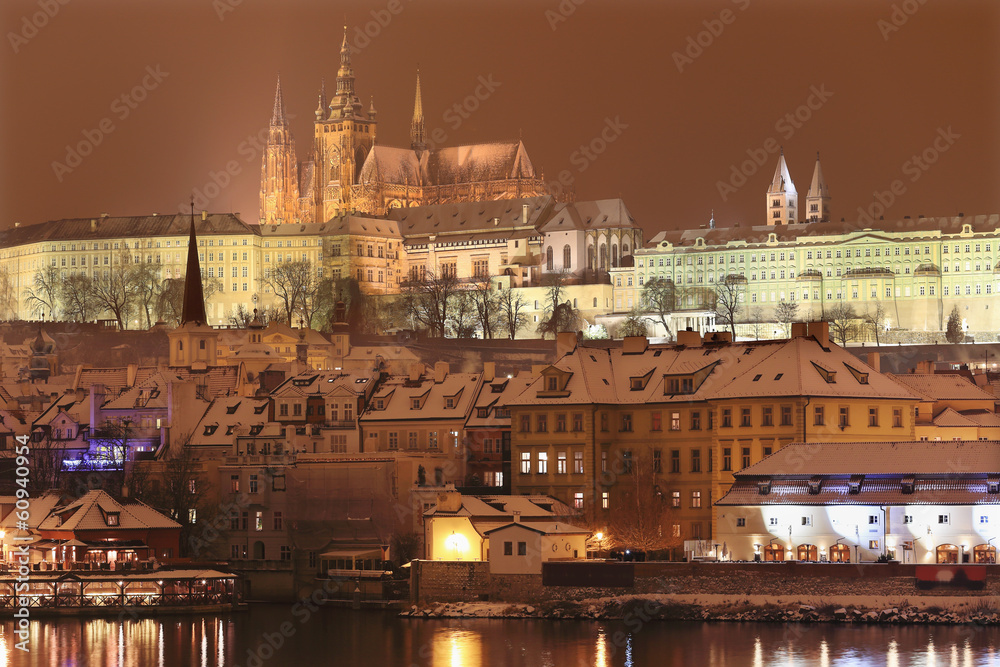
[756, 321]
[428, 301]
[660, 297]
[843, 322]
[874, 320]
[641, 519]
[146, 287]
[486, 299]
[180, 492]
[729, 300]
[291, 283]
[512, 307]
[114, 289]
[463, 314]
[786, 313]
[42, 296]
[634, 324]
[77, 296]
[8, 295]
[559, 315]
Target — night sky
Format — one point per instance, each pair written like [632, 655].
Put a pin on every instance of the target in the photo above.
[885, 80]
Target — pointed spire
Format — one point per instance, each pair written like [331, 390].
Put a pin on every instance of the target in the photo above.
[782, 181]
[818, 186]
[278, 116]
[194, 297]
[417, 125]
[371, 109]
[321, 109]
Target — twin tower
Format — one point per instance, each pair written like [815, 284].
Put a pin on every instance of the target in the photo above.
[783, 200]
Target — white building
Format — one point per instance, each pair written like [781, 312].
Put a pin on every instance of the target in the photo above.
[916, 502]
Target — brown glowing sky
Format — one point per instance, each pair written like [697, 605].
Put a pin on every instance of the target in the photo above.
[606, 60]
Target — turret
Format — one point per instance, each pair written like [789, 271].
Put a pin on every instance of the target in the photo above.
[818, 197]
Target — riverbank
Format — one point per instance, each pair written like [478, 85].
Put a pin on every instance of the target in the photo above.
[859, 609]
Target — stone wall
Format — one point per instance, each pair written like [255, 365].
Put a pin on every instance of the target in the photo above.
[444, 581]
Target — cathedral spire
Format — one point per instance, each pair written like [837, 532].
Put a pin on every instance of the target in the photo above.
[346, 103]
[278, 116]
[194, 296]
[417, 124]
[818, 197]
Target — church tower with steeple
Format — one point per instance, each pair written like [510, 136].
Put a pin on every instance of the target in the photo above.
[818, 197]
[344, 135]
[194, 344]
[417, 141]
[279, 172]
[782, 199]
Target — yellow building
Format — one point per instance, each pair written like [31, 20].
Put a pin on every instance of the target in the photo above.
[696, 412]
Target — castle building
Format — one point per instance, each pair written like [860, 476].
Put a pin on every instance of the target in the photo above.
[349, 172]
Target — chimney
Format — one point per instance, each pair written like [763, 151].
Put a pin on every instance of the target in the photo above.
[489, 371]
[689, 338]
[566, 342]
[441, 370]
[93, 224]
[821, 332]
[634, 344]
[875, 361]
[517, 516]
[524, 213]
[416, 370]
[799, 329]
[204, 215]
[104, 215]
[449, 500]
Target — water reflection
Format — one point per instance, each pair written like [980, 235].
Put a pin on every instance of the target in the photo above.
[383, 639]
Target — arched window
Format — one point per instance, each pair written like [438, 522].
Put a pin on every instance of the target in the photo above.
[548, 258]
[603, 258]
[947, 553]
[840, 553]
[808, 552]
[614, 255]
[625, 249]
[567, 257]
[774, 552]
[984, 553]
[590, 258]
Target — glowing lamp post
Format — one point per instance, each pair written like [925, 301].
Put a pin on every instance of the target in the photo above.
[458, 543]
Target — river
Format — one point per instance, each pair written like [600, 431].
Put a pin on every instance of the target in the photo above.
[276, 635]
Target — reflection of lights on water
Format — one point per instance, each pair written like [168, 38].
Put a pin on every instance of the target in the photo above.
[3, 649]
[954, 655]
[222, 644]
[931, 659]
[204, 645]
[824, 653]
[601, 649]
[892, 655]
[160, 644]
[758, 653]
[967, 652]
[121, 643]
[453, 647]
[628, 651]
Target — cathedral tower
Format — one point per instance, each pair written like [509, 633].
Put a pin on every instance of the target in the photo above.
[194, 343]
[279, 171]
[818, 197]
[344, 135]
[782, 199]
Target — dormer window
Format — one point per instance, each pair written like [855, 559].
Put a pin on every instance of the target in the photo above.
[907, 484]
[260, 409]
[210, 429]
[854, 484]
[815, 485]
[415, 404]
[380, 404]
[112, 519]
[231, 410]
[552, 383]
[764, 487]
[449, 402]
[482, 413]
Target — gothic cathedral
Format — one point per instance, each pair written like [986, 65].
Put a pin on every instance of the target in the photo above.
[349, 173]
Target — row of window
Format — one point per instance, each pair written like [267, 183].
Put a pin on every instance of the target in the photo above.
[542, 463]
[254, 483]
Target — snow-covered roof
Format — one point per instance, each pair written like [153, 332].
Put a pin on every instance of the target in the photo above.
[923, 457]
[942, 387]
[91, 512]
